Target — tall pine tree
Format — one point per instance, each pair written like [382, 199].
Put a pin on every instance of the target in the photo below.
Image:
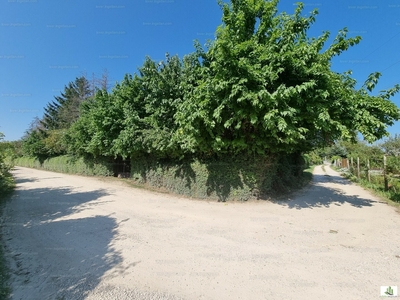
[64, 111]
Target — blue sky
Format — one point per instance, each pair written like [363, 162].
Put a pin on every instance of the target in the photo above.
[46, 44]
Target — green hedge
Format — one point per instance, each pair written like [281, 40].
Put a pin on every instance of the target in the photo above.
[69, 164]
[28, 162]
[231, 178]
[7, 185]
[236, 178]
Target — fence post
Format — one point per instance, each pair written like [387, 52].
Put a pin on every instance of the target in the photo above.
[351, 166]
[384, 174]
[368, 172]
[358, 167]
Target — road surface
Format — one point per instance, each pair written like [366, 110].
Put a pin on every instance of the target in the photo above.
[74, 237]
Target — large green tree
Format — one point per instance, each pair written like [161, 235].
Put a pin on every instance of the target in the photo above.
[98, 126]
[151, 101]
[262, 87]
[267, 87]
[138, 116]
[64, 110]
[45, 138]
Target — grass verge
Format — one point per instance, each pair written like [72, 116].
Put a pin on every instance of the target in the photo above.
[391, 197]
[308, 173]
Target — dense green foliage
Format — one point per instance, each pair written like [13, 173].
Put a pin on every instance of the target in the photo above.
[138, 116]
[314, 157]
[6, 180]
[222, 179]
[232, 178]
[62, 112]
[45, 138]
[263, 88]
[268, 88]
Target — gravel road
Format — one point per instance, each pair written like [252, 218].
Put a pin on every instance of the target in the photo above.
[73, 237]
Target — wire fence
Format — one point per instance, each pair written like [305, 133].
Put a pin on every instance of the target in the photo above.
[383, 171]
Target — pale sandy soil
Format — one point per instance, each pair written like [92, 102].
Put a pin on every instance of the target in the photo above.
[72, 237]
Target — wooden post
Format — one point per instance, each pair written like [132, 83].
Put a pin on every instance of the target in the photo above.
[352, 166]
[368, 172]
[384, 174]
[358, 167]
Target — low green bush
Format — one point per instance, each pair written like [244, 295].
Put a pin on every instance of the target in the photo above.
[6, 180]
[6, 185]
[69, 164]
[222, 179]
[28, 162]
[230, 178]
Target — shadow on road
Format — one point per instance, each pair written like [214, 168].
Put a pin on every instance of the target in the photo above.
[320, 195]
[331, 178]
[31, 179]
[24, 180]
[57, 255]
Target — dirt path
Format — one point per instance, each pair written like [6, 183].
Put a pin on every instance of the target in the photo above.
[72, 237]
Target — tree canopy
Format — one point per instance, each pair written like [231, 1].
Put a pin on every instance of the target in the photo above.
[64, 111]
[268, 87]
[45, 137]
[263, 86]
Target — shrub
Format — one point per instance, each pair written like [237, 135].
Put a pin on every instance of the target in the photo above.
[222, 179]
[69, 164]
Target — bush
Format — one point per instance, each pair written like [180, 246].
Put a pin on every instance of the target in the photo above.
[69, 164]
[6, 185]
[230, 178]
[313, 158]
[6, 180]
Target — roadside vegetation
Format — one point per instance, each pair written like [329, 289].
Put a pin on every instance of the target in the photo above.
[377, 187]
[391, 196]
[234, 120]
[6, 187]
[6, 180]
[364, 164]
